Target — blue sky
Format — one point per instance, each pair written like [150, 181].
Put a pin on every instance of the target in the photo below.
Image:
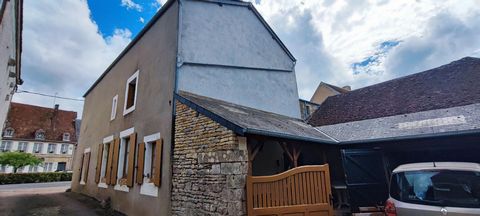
[67, 44]
[110, 15]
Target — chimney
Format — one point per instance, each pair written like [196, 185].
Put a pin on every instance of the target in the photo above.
[347, 88]
[56, 107]
[55, 116]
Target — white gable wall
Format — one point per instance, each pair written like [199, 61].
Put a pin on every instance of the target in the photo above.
[225, 52]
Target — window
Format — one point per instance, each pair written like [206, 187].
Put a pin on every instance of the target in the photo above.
[22, 146]
[40, 134]
[8, 132]
[131, 93]
[107, 143]
[48, 167]
[37, 147]
[32, 169]
[85, 166]
[51, 148]
[437, 187]
[5, 146]
[66, 137]
[124, 150]
[114, 108]
[126, 160]
[64, 148]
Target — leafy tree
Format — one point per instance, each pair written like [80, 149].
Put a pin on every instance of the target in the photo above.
[18, 160]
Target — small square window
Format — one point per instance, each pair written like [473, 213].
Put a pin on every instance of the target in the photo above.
[131, 93]
[66, 137]
[8, 132]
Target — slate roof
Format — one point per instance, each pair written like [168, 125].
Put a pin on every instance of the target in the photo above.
[451, 85]
[27, 119]
[245, 120]
[461, 119]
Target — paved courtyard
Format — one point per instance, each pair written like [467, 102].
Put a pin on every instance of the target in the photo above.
[41, 199]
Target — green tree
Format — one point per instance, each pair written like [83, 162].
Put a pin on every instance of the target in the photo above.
[19, 160]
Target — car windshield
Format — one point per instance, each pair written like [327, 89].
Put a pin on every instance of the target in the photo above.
[437, 187]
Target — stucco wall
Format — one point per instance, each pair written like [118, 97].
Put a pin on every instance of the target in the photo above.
[227, 53]
[209, 167]
[154, 56]
[7, 51]
[322, 93]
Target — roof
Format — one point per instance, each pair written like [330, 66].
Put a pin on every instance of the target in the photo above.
[454, 120]
[245, 120]
[451, 85]
[164, 8]
[438, 166]
[27, 119]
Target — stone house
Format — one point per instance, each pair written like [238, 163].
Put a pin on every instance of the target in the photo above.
[10, 52]
[48, 133]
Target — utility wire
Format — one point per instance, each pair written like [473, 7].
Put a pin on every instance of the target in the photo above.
[47, 95]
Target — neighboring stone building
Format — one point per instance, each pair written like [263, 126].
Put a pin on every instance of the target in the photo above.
[325, 90]
[48, 133]
[11, 12]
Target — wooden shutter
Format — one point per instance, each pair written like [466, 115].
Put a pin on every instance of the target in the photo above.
[131, 159]
[87, 164]
[109, 163]
[99, 163]
[116, 151]
[140, 162]
[158, 163]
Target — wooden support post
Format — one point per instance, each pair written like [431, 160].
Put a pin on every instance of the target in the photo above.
[252, 152]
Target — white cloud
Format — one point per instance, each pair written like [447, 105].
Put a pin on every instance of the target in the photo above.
[344, 32]
[63, 51]
[158, 3]
[141, 20]
[129, 4]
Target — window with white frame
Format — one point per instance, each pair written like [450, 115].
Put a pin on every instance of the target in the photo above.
[8, 132]
[113, 114]
[107, 143]
[48, 167]
[66, 137]
[51, 148]
[122, 171]
[22, 146]
[150, 155]
[33, 168]
[40, 134]
[37, 147]
[64, 148]
[131, 93]
[5, 146]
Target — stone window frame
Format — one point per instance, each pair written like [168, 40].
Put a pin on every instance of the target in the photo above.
[148, 187]
[107, 144]
[37, 146]
[8, 132]
[123, 159]
[113, 113]
[51, 148]
[22, 146]
[127, 110]
[66, 136]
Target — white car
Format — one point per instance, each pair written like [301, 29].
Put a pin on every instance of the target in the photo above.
[434, 188]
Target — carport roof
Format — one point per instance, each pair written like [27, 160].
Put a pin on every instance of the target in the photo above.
[432, 123]
[245, 120]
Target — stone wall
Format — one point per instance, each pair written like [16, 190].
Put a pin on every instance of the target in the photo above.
[209, 167]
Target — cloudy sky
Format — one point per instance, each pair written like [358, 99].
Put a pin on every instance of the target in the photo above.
[67, 44]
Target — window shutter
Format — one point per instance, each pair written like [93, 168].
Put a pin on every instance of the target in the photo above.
[113, 174]
[87, 164]
[140, 162]
[131, 159]
[109, 163]
[99, 163]
[158, 163]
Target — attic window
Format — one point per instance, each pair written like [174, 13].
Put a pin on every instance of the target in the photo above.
[40, 134]
[8, 132]
[66, 137]
[131, 93]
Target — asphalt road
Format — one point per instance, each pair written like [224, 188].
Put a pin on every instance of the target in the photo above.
[45, 199]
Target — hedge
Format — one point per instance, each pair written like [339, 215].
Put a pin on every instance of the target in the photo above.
[17, 178]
